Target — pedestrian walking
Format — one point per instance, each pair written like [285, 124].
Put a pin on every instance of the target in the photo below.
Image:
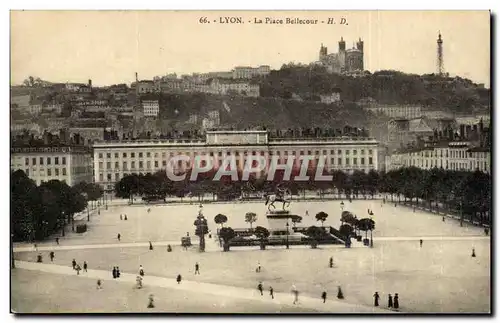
[271, 292]
[376, 297]
[260, 288]
[85, 266]
[340, 295]
[389, 302]
[443, 218]
[169, 248]
[138, 281]
[258, 268]
[73, 263]
[78, 268]
[125, 217]
[196, 268]
[295, 293]
[35, 246]
[421, 242]
[99, 284]
[114, 272]
[331, 262]
[117, 272]
[323, 296]
[151, 303]
[486, 231]
[150, 246]
[307, 213]
[473, 253]
[57, 241]
[119, 236]
[179, 278]
[396, 301]
[39, 258]
[141, 271]
[121, 217]
[149, 210]
[51, 256]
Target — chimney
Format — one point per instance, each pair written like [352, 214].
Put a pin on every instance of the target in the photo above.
[136, 77]
[90, 83]
[462, 131]
[45, 138]
[468, 132]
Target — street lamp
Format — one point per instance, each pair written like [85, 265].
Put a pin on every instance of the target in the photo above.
[371, 231]
[461, 215]
[287, 233]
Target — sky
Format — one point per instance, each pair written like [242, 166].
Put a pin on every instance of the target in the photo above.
[110, 46]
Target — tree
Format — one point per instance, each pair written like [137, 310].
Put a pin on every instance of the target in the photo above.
[227, 234]
[346, 231]
[314, 233]
[346, 217]
[321, 216]
[250, 217]
[262, 233]
[220, 219]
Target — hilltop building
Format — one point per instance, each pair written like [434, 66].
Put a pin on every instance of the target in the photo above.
[346, 60]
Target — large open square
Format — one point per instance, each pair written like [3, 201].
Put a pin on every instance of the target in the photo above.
[439, 276]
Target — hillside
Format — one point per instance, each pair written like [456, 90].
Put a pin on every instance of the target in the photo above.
[246, 112]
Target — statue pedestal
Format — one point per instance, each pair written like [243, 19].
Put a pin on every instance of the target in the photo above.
[278, 220]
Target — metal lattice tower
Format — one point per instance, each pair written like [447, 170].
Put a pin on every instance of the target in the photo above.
[440, 60]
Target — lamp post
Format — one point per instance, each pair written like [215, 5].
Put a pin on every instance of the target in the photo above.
[287, 233]
[63, 223]
[371, 231]
[461, 215]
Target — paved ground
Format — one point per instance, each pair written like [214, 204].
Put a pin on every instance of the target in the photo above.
[439, 277]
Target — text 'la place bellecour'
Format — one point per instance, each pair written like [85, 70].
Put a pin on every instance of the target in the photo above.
[287, 21]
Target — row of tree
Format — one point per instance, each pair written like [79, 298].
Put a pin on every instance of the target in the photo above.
[39, 211]
[467, 193]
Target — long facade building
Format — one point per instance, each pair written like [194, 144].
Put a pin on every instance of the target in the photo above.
[69, 163]
[114, 160]
[459, 155]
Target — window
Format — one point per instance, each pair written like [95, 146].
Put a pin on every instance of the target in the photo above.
[49, 172]
[347, 161]
[355, 161]
[325, 152]
[140, 155]
[132, 155]
[141, 164]
[108, 177]
[316, 152]
[354, 152]
[64, 171]
[116, 165]
[101, 165]
[164, 163]
[125, 165]
[148, 154]
[116, 155]
[156, 163]
[26, 161]
[362, 160]
[148, 164]
[362, 151]
[101, 178]
[133, 165]
[370, 152]
[41, 160]
[108, 165]
[100, 155]
[124, 155]
[332, 152]
[117, 177]
[370, 160]
[56, 160]
[57, 171]
[220, 153]
[339, 152]
[64, 160]
[339, 161]
[34, 161]
[302, 153]
[156, 155]
[108, 155]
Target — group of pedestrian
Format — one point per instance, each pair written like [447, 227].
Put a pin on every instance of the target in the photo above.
[260, 288]
[116, 272]
[123, 217]
[77, 266]
[392, 302]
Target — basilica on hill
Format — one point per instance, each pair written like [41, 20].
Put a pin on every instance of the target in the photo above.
[345, 61]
